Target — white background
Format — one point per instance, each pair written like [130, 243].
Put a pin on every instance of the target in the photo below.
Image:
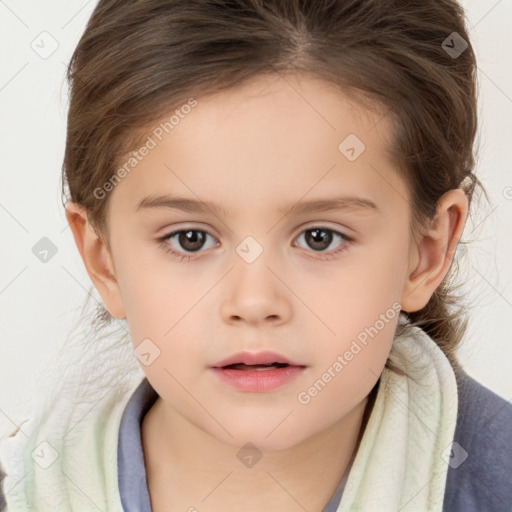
[39, 301]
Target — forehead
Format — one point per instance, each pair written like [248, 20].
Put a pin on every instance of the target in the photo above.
[276, 138]
[306, 106]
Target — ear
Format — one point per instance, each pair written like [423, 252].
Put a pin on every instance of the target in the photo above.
[431, 258]
[96, 257]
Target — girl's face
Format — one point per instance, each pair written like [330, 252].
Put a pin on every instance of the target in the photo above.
[275, 258]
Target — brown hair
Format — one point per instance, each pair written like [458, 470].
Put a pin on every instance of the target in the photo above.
[139, 59]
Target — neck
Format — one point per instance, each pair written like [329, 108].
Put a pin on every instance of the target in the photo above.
[186, 467]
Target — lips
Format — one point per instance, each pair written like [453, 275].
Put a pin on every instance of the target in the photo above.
[256, 361]
[257, 372]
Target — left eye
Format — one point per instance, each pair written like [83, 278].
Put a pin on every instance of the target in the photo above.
[321, 238]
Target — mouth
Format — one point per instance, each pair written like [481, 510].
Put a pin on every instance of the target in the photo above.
[254, 367]
[257, 373]
[265, 359]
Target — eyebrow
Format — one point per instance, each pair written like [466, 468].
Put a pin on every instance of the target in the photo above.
[314, 206]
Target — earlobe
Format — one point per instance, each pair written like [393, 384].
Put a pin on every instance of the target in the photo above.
[433, 255]
[96, 257]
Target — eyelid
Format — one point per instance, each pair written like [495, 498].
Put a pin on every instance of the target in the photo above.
[198, 226]
[172, 233]
[327, 225]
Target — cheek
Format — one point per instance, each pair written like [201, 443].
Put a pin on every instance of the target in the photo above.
[348, 372]
[354, 295]
[359, 310]
[150, 292]
[161, 315]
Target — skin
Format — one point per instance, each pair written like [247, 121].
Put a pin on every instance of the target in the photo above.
[255, 151]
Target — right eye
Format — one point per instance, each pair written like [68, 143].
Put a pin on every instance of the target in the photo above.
[191, 240]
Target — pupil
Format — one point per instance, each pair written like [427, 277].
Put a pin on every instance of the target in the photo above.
[319, 236]
[191, 240]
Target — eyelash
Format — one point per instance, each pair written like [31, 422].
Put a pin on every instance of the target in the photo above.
[325, 255]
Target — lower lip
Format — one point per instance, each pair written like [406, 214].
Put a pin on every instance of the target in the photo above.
[258, 381]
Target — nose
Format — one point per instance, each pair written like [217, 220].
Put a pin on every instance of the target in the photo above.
[255, 294]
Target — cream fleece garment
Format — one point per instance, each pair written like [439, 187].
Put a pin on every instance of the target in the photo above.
[67, 459]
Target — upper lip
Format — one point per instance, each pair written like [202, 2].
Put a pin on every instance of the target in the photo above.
[263, 357]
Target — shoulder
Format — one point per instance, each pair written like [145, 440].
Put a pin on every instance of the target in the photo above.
[3, 503]
[3, 474]
[480, 474]
[90, 435]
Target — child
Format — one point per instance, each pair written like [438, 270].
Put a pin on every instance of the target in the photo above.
[281, 373]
